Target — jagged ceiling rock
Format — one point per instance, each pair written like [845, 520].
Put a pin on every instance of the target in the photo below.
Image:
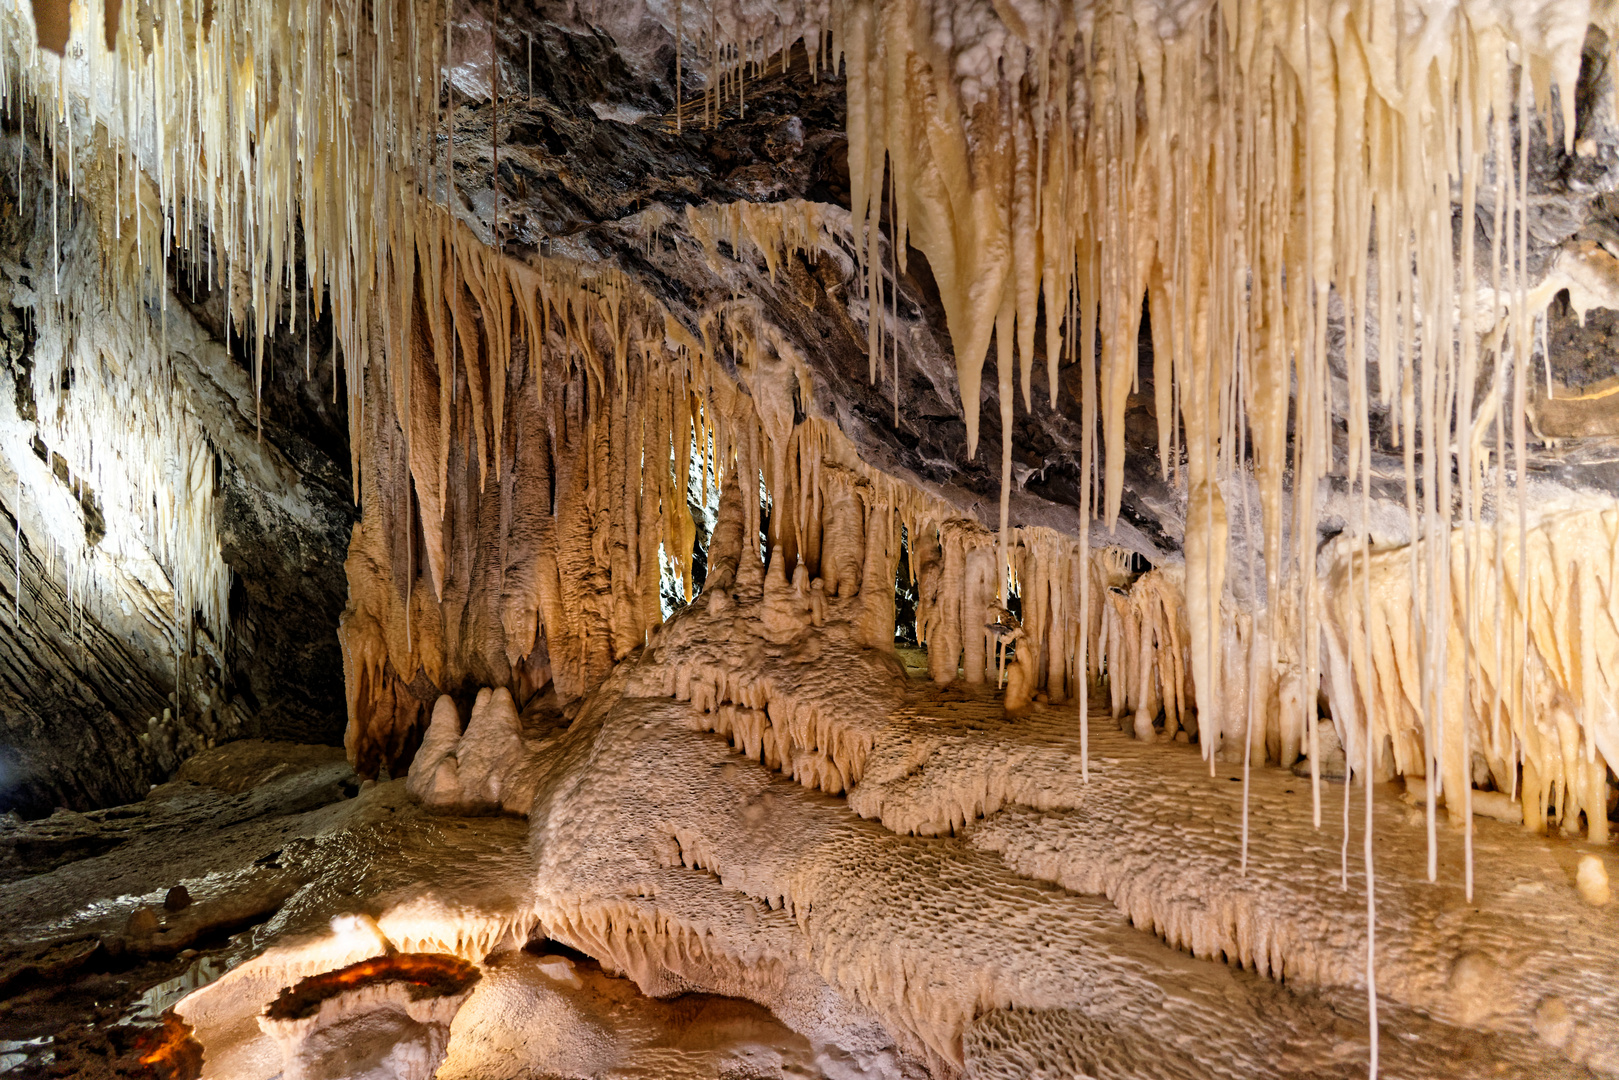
[588, 151]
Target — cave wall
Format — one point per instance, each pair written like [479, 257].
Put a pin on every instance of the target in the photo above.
[594, 167]
[131, 432]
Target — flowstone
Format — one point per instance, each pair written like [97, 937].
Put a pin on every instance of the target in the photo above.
[915, 881]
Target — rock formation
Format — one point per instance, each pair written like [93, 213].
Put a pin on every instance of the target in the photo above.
[579, 412]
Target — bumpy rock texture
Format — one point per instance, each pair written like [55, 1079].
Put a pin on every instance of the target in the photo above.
[918, 883]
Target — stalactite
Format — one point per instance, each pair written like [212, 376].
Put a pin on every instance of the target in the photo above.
[522, 430]
[541, 502]
[1294, 138]
[124, 440]
[1561, 731]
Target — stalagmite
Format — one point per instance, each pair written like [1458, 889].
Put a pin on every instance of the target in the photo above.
[1591, 879]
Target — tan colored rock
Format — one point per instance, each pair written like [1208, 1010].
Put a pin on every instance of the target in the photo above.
[1591, 880]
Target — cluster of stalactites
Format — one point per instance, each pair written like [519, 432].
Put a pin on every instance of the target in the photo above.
[1086, 621]
[774, 230]
[806, 510]
[1140, 643]
[1234, 164]
[1530, 652]
[256, 137]
[523, 456]
[529, 457]
[1059, 167]
[116, 474]
[533, 437]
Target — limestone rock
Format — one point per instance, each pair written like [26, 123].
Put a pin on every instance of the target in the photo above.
[1591, 879]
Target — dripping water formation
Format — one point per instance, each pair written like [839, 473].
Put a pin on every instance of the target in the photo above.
[815, 538]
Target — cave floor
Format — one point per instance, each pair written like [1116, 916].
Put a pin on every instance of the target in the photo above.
[1510, 984]
[1514, 979]
[993, 846]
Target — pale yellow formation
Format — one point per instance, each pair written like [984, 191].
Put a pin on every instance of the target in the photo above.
[542, 397]
[774, 230]
[1077, 159]
[1142, 643]
[1532, 664]
[524, 433]
[256, 138]
[1591, 878]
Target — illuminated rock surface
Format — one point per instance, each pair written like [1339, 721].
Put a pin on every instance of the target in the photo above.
[387, 1018]
[579, 412]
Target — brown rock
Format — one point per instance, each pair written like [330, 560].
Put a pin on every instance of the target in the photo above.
[142, 923]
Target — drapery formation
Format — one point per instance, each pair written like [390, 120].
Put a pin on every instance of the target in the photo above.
[1236, 164]
[532, 463]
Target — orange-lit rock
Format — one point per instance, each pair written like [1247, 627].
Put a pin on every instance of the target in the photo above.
[387, 1018]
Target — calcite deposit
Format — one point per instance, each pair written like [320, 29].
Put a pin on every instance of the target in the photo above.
[580, 413]
[387, 1017]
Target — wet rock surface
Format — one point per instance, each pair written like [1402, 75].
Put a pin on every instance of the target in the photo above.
[111, 915]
